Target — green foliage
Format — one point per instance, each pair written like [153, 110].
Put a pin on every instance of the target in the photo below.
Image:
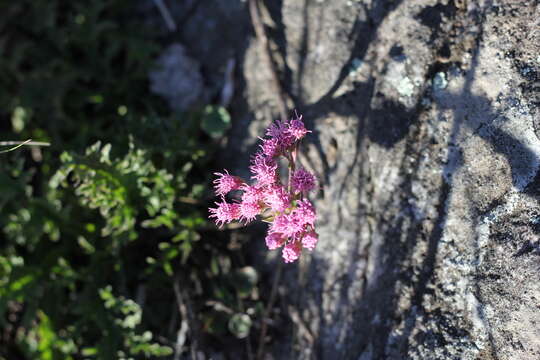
[128, 317]
[115, 187]
[68, 68]
[216, 121]
[240, 324]
[93, 236]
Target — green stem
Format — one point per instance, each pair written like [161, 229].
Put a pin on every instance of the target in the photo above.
[292, 167]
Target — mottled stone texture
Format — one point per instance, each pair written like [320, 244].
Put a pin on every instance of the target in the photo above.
[177, 78]
[426, 143]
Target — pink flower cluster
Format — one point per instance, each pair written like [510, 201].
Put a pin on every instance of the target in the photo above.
[285, 206]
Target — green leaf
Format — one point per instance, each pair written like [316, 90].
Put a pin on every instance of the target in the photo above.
[245, 280]
[46, 336]
[216, 121]
[168, 268]
[21, 282]
[89, 351]
[240, 325]
[85, 244]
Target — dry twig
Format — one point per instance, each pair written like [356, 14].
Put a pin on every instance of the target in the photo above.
[166, 15]
[269, 306]
[188, 323]
[18, 144]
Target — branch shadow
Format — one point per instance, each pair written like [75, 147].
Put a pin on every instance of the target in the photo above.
[375, 312]
[386, 126]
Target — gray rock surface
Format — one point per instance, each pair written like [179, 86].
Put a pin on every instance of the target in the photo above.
[426, 143]
[177, 78]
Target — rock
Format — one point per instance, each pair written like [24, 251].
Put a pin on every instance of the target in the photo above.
[177, 78]
[426, 142]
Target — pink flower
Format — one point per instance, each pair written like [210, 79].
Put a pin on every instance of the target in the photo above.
[226, 183]
[249, 210]
[303, 181]
[225, 212]
[285, 206]
[279, 225]
[274, 240]
[296, 128]
[276, 129]
[295, 224]
[252, 194]
[264, 169]
[277, 197]
[279, 131]
[305, 212]
[310, 240]
[291, 251]
[271, 147]
[288, 225]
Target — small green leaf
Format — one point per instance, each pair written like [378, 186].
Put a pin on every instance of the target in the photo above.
[240, 325]
[168, 268]
[216, 121]
[244, 280]
[21, 283]
[85, 244]
[91, 351]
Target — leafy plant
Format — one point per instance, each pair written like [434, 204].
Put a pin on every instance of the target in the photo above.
[93, 237]
[115, 187]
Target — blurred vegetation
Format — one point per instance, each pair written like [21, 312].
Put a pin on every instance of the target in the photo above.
[105, 250]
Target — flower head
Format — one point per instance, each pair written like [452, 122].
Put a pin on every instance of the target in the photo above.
[225, 212]
[271, 147]
[281, 134]
[253, 194]
[279, 224]
[288, 225]
[264, 169]
[226, 183]
[303, 181]
[291, 251]
[274, 240]
[290, 214]
[249, 210]
[309, 240]
[296, 128]
[277, 197]
[276, 129]
[305, 212]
